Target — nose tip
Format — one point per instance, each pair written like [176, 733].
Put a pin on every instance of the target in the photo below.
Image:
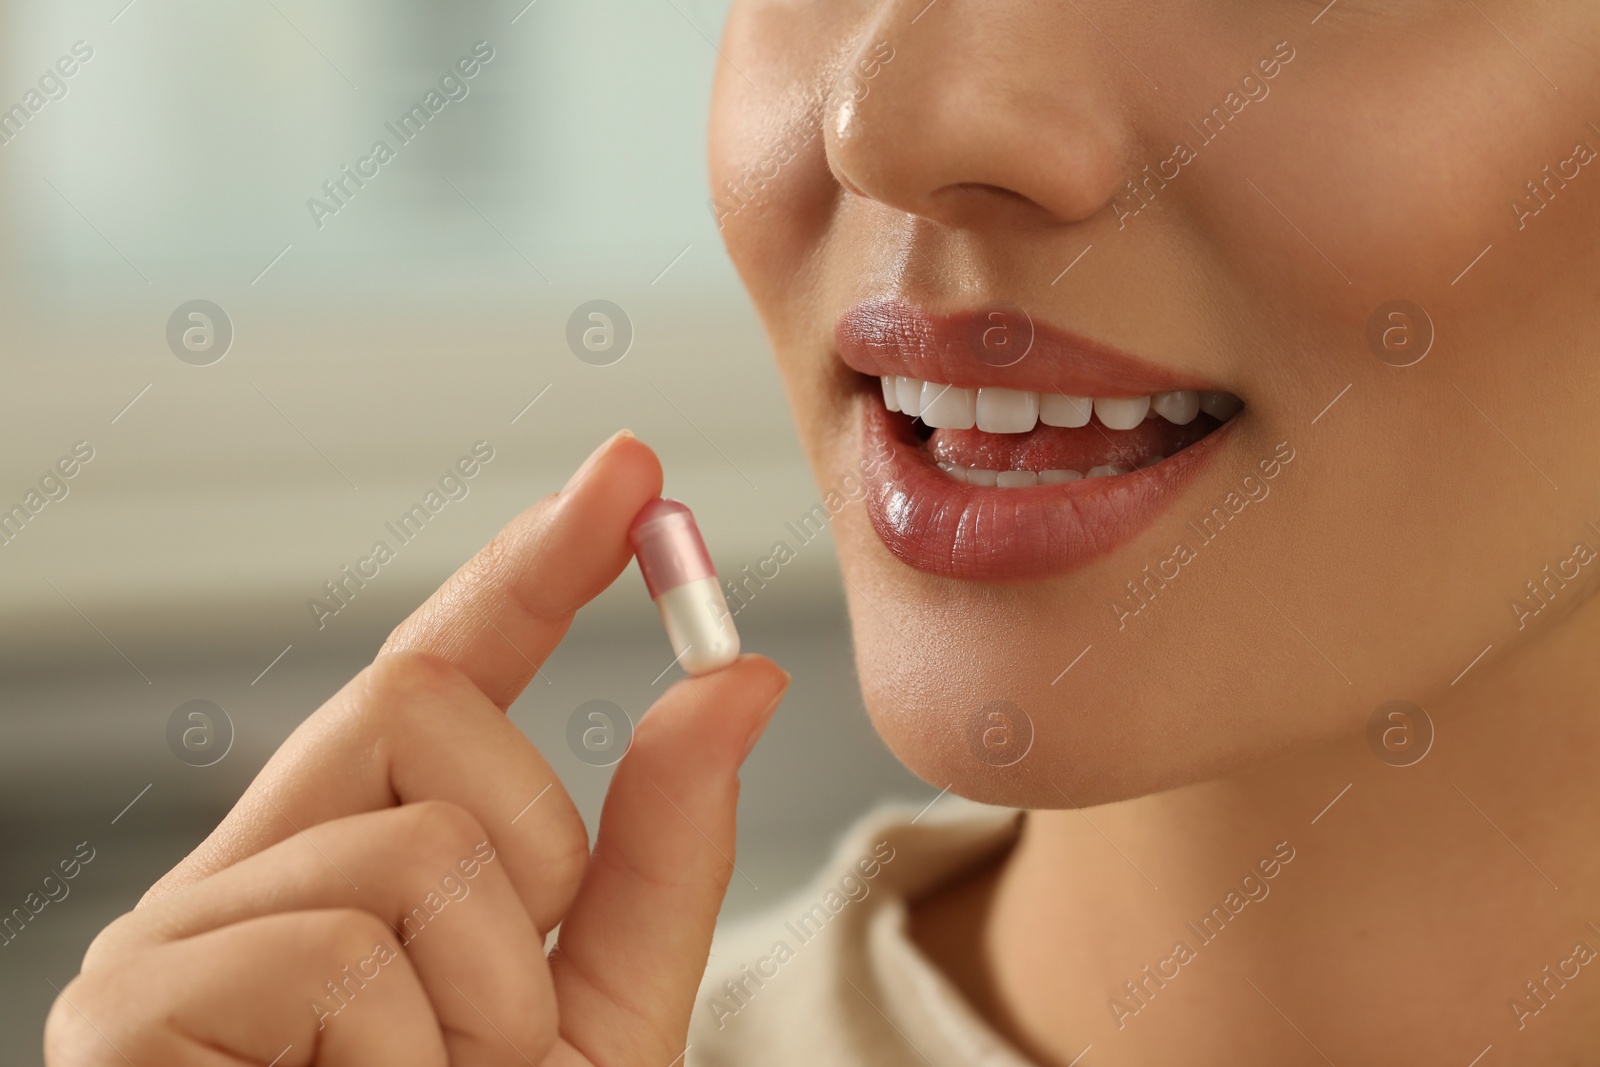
[943, 133]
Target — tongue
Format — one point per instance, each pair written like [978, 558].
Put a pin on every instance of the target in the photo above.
[1060, 448]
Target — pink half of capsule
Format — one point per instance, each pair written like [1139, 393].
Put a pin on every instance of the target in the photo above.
[678, 573]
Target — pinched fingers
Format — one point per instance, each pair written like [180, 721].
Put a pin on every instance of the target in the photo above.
[423, 721]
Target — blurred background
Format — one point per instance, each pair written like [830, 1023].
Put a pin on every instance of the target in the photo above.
[345, 359]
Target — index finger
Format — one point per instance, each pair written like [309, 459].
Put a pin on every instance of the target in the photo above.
[501, 614]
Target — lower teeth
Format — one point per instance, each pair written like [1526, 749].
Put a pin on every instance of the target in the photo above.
[1026, 479]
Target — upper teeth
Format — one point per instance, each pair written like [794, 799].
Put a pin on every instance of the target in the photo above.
[995, 410]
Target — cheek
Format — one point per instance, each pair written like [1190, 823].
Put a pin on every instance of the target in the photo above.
[1398, 149]
[775, 198]
[771, 190]
[1400, 158]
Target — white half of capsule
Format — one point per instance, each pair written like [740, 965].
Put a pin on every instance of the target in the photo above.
[699, 625]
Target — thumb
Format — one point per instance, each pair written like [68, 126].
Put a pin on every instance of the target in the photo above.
[633, 946]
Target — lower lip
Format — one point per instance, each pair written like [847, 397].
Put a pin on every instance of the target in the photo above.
[981, 533]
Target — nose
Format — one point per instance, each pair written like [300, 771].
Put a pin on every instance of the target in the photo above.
[969, 116]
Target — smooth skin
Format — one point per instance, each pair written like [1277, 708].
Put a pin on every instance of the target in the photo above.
[960, 154]
[395, 789]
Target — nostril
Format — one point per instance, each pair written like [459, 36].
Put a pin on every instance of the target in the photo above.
[991, 190]
[962, 203]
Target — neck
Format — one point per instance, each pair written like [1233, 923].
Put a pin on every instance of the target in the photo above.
[1332, 906]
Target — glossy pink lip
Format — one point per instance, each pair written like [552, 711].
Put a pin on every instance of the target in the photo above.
[970, 349]
[945, 527]
[936, 524]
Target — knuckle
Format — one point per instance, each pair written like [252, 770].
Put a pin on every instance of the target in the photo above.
[564, 851]
[507, 557]
[439, 832]
[347, 933]
[529, 1007]
[498, 564]
[403, 679]
[68, 1037]
[111, 943]
[484, 567]
[93, 1014]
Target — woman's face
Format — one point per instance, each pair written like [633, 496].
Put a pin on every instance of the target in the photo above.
[1275, 199]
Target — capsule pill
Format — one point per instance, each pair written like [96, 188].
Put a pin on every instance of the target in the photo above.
[681, 580]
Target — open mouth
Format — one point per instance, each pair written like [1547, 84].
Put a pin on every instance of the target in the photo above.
[1015, 439]
[987, 468]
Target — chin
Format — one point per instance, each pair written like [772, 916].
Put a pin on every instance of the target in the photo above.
[986, 724]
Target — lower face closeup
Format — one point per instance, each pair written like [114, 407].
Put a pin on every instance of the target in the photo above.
[1217, 373]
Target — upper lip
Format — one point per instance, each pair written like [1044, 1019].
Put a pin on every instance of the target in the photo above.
[900, 338]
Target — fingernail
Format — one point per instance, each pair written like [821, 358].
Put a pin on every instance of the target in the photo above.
[765, 717]
[594, 457]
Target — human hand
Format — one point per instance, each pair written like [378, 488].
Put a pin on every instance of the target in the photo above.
[400, 860]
